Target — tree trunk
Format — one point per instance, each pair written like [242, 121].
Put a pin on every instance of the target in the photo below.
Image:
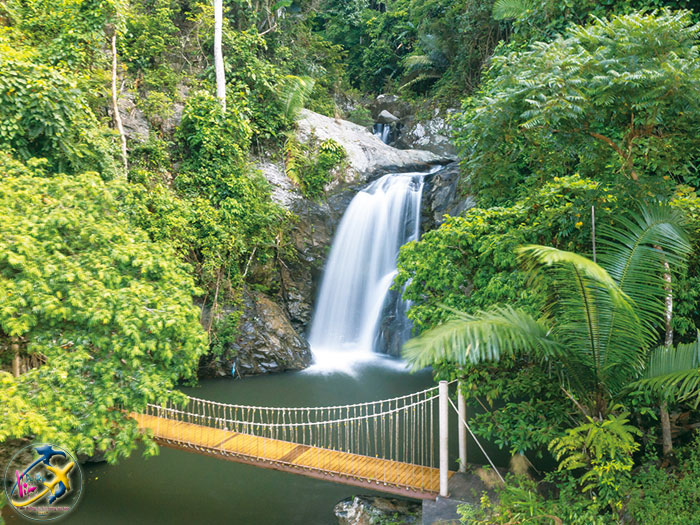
[218, 55]
[666, 438]
[666, 429]
[115, 105]
[16, 363]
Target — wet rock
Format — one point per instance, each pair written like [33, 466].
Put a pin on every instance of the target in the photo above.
[368, 156]
[266, 341]
[312, 235]
[386, 117]
[371, 510]
[443, 196]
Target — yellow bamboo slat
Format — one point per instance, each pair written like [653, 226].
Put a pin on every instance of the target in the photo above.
[228, 442]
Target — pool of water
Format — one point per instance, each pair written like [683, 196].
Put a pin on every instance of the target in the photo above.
[178, 487]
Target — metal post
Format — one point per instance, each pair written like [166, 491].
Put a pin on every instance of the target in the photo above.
[462, 429]
[444, 437]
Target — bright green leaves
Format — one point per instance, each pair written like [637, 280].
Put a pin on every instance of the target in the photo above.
[311, 166]
[605, 106]
[604, 447]
[43, 115]
[110, 310]
[470, 262]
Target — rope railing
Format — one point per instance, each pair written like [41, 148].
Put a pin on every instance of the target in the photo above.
[390, 441]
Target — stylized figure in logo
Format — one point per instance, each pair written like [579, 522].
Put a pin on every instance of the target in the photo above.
[58, 486]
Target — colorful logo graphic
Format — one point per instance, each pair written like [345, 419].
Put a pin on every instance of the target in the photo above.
[46, 488]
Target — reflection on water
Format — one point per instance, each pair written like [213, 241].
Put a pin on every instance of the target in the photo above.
[179, 487]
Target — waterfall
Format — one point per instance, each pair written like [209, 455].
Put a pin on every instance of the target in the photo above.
[383, 131]
[361, 267]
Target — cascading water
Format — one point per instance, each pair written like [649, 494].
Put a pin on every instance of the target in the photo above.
[383, 131]
[361, 267]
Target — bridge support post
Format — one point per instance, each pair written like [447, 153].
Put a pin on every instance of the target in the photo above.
[444, 437]
[462, 429]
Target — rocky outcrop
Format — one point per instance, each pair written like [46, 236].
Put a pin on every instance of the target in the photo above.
[391, 104]
[266, 341]
[443, 196]
[136, 125]
[432, 134]
[372, 510]
[367, 156]
[284, 192]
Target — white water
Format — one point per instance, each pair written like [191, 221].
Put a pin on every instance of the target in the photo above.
[360, 270]
[383, 131]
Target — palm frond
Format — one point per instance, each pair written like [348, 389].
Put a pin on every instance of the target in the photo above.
[508, 9]
[635, 253]
[673, 373]
[484, 336]
[418, 61]
[293, 92]
[584, 300]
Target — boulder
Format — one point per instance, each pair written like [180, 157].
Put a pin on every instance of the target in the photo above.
[387, 118]
[392, 104]
[371, 510]
[368, 156]
[267, 342]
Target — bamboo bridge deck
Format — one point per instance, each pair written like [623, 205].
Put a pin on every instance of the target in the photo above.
[374, 473]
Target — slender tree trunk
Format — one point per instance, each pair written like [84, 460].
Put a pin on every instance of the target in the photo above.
[115, 105]
[16, 363]
[667, 440]
[595, 258]
[218, 54]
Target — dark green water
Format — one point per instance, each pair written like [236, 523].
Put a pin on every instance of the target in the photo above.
[178, 487]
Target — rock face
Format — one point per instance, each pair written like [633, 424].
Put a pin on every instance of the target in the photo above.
[267, 342]
[136, 126]
[372, 510]
[368, 156]
[284, 192]
[432, 134]
[442, 197]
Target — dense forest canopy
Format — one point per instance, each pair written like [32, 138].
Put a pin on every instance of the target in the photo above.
[117, 257]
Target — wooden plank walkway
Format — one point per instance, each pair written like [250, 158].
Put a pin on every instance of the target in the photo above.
[341, 467]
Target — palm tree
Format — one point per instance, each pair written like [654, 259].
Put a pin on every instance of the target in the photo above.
[600, 324]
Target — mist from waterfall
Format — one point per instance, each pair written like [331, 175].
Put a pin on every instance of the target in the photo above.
[360, 270]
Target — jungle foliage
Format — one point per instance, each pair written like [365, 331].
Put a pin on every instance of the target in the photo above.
[109, 310]
[571, 120]
[566, 107]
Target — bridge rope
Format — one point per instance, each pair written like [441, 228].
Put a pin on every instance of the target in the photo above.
[390, 441]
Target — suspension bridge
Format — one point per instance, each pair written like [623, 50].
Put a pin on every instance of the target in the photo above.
[397, 445]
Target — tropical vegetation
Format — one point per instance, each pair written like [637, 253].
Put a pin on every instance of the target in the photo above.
[566, 300]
